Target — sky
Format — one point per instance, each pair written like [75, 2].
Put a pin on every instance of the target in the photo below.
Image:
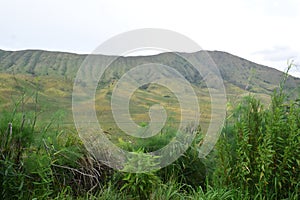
[263, 31]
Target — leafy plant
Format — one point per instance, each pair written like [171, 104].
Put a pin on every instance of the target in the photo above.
[188, 169]
[263, 158]
[140, 184]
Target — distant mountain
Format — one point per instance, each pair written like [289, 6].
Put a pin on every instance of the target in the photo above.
[236, 71]
[52, 74]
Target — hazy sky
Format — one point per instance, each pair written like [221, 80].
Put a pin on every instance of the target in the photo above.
[263, 31]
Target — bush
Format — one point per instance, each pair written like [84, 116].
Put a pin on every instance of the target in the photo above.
[40, 163]
[141, 184]
[188, 169]
[263, 158]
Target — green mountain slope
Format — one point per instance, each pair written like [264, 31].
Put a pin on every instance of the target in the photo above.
[53, 73]
[235, 70]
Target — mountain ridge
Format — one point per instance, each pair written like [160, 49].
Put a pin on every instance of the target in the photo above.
[238, 71]
[52, 76]
[135, 56]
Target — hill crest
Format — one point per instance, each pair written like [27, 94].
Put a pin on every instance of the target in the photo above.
[235, 70]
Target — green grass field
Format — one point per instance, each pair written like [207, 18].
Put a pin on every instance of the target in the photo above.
[42, 156]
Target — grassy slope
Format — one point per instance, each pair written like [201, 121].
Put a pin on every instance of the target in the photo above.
[235, 70]
[53, 74]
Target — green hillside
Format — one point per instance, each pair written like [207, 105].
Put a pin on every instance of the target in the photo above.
[257, 155]
[52, 75]
[234, 70]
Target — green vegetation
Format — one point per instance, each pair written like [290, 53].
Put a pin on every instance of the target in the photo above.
[234, 70]
[257, 157]
[52, 73]
[42, 157]
[259, 151]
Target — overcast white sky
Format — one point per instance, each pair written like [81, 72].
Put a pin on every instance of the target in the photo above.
[263, 31]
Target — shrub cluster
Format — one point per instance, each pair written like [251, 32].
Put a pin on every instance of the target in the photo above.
[257, 157]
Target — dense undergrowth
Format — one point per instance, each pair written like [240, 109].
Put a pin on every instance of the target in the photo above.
[257, 157]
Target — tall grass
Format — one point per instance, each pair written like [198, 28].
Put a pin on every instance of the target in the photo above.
[259, 152]
[257, 157]
[41, 162]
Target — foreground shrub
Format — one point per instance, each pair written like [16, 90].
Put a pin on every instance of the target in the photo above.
[188, 169]
[40, 163]
[260, 153]
[141, 184]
